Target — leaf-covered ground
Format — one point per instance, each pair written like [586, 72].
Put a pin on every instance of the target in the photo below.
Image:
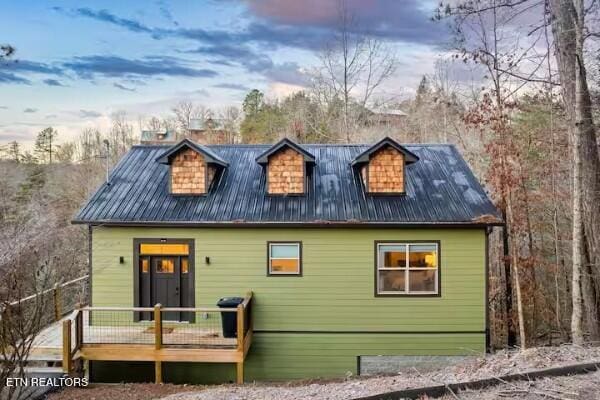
[501, 363]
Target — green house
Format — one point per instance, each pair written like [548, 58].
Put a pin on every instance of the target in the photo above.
[356, 255]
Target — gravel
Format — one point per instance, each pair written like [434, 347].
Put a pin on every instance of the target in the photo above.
[500, 363]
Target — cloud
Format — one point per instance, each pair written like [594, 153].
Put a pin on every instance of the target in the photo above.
[53, 82]
[166, 12]
[12, 71]
[301, 24]
[3, 108]
[88, 114]
[407, 20]
[30, 110]
[31, 66]
[123, 87]
[6, 77]
[106, 16]
[230, 54]
[289, 73]
[232, 86]
[88, 67]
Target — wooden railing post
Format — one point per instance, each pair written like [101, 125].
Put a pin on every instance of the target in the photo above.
[78, 328]
[240, 343]
[57, 303]
[157, 342]
[66, 350]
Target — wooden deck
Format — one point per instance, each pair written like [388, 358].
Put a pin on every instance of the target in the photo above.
[50, 339]
[114, 338]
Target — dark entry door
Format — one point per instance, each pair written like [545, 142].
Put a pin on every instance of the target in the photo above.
[166, 284]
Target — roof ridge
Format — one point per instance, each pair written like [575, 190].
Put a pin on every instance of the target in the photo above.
[261, 145]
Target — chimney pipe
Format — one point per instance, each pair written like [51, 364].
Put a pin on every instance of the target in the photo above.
[107, 144]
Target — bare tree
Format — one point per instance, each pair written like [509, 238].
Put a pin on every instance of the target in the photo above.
[353, 65]
[185, 111]
[570, 32]
[231, 118]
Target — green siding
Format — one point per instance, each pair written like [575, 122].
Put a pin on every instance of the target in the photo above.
[335, 293]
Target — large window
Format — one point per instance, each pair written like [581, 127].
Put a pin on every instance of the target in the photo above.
[407, 268]
[284, 258]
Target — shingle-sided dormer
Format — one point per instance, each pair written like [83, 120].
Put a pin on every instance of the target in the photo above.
[192, 167]
[382, 167]
[286, 168]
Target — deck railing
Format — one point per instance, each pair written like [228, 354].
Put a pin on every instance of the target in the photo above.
[56, 301]
[96, 329]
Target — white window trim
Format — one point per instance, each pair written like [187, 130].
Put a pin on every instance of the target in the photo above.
[406, 269]
[299, 258]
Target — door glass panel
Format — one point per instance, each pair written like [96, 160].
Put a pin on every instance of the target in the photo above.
[165, 266]
[184, 265]
[144, 265]
[165, 248]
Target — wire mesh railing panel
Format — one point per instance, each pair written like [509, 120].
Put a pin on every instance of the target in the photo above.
[73, 295]
[116, 327]
[206, 329]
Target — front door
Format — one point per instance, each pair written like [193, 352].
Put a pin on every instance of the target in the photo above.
[165, 276]
[166, 284]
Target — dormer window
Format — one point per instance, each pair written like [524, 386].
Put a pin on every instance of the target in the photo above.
[382, 167]
[193, 168]
[286, 168]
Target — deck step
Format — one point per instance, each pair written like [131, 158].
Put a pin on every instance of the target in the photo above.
[46, 350]
[48, 357]
[43, 370]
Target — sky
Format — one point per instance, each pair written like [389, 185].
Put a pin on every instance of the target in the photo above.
[78, 62]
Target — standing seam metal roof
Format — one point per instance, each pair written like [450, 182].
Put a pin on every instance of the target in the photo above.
[440, 189]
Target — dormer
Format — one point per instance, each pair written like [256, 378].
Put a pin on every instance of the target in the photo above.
[382, 167]
[192, 167]
[286, 168]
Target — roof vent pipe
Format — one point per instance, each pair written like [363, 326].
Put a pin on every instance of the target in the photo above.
[107, 144]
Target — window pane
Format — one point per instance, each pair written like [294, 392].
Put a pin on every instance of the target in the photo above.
[144, 265]
[184, 266]
[392, 256]
[391, 281]
[423, 256]
[164, 248]
[165, 266]
[284, 250]
[285, 265]
[421, 281]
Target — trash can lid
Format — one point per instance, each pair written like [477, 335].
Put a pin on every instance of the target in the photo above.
[230, 301]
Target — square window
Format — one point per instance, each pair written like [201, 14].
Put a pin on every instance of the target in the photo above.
[407, 268]
[284, 258]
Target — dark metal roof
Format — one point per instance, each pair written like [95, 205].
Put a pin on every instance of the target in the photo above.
[285, 142]
[208, 154]
[363, 157]
[440, 189]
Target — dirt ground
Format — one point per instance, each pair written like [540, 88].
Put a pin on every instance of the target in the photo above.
[124, 391]
[501, 363]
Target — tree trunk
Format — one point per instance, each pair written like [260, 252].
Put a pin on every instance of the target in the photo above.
[568, 29]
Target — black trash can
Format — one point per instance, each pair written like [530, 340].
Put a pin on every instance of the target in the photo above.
[229, 319]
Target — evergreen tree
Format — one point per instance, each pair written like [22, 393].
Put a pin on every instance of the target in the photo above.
[44, 144]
